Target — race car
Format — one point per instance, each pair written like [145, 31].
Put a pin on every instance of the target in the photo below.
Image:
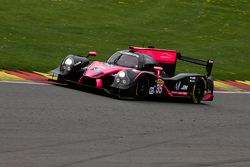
[139, 72]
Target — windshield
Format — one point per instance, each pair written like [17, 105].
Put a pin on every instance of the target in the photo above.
[124, 59]
[127, 61]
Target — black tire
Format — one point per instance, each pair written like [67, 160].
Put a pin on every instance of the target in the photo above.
[198, 91]
[142, 88]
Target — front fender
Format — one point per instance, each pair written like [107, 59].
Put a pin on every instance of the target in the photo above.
[130, 79]
[73, 71]
[78, 63]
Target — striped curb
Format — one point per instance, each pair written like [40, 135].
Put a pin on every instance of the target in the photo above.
[220, 85]
[6, 76]
[24, 76]
[232, 85]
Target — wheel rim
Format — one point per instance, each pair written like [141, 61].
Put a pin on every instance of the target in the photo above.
[198, 92]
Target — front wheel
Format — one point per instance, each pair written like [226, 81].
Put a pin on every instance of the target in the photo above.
[198, 91]
[142, 87]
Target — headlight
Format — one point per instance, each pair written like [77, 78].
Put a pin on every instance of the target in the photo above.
[121, 74]
[69, 61]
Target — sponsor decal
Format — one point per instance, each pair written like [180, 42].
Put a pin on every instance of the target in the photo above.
[165, 55]
[159, 86]
[192, 79]
[106, 64]
[97, 69]
[159, 81]
[179, 93]
[184, 87]
[128, 53]
[151, 90]
[77, 63]
[177, 85]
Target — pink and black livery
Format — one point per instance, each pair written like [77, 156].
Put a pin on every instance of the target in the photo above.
[139, 73]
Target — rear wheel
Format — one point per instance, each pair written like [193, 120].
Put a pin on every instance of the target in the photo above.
[198, 91]
[142, 87]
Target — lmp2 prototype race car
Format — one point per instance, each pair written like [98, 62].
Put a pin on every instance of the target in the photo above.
[139, 73]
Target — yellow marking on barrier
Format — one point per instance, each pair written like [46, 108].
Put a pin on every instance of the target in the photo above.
[244, 82]
[6, 76]
[226, 87]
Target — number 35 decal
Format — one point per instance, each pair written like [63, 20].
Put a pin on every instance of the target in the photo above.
[158, 88]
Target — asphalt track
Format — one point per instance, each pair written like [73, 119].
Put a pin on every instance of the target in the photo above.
[51, 126]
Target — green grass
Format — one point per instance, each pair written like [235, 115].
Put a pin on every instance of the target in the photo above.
[38, 34]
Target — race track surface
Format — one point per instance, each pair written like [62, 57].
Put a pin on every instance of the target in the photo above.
[52, 126]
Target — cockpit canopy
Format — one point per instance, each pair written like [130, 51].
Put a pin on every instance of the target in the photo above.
[132, 60]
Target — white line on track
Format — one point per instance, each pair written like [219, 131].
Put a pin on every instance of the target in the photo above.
[24, 82]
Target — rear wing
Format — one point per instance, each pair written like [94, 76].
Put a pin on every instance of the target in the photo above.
[168, 58]
[209, 63]
[160, 55]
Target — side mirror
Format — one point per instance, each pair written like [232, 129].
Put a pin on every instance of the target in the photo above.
[158, 71]
[157, 68]
[92, 53]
